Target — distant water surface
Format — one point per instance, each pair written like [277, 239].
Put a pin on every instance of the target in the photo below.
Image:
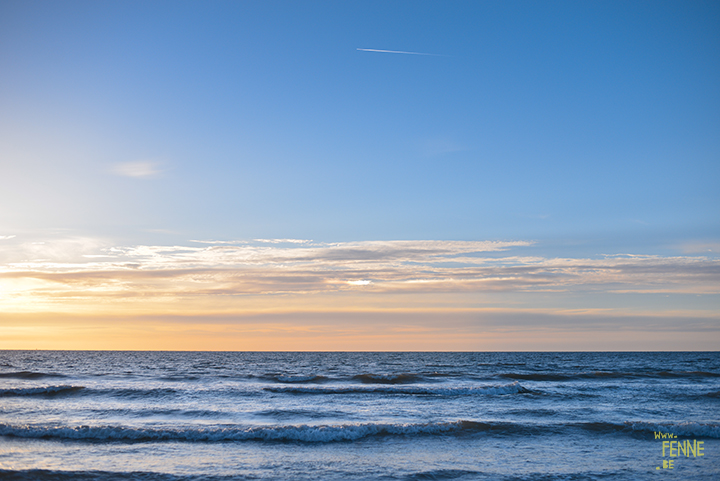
[358, 416]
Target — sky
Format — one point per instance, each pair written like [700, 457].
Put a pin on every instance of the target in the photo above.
[390, 175]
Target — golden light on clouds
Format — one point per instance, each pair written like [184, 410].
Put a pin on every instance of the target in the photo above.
[315, 288]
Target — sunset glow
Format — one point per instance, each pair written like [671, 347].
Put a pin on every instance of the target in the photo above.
[312, 176]
[303, 295]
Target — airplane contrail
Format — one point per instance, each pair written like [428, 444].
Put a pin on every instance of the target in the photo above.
[396, 51]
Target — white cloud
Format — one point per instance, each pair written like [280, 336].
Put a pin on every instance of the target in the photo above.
[75, 268]
[4, 237]
[66, 250]
[214, 242]
[138, 169]
[283, 241]
[700, 247]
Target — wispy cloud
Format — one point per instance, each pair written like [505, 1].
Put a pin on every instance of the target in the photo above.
[50, 251]
[218, 242]
[398, 51]
[701, 247]
[141, 169]
[283, 241]
[423, 269]
[4, 237]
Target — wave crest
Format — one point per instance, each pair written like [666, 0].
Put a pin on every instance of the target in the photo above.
[29, 375]
[290, 379]
[297, 433]
[689, 429]
[538, 376]
[514, 388]
[406, 378]
[40, 391]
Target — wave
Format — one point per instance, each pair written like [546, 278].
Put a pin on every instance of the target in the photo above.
[137, 393]
[688, 429]
[462, 474]
[347, 432]
[295, 413]
[57, 475]
[536, 377]
[467, 474]
[688, 374]
[29, 375]
[388, 378]
[513, 388]
[287, 379]
[437, 474]
[40, 391]
[443, 474]
[82, 390]
[366, 378]
[292, 433]
[605, 375]
[502, 364]
[193, 414]
[179, 378]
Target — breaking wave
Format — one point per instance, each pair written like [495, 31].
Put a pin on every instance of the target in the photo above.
[40, 391]
[388, 378]
[606, 375]
[92, 475]
[700, 430]
[288, 379]
[298, 433]
[344, 432]
[513, 388]
[29, 375]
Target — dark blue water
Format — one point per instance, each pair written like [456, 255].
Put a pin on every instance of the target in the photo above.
[488, 416]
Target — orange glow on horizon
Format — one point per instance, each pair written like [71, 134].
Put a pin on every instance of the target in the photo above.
[378, 331]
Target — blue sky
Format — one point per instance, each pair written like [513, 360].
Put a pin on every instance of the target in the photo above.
[579, 130]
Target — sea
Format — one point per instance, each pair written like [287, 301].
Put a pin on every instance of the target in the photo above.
[171, 416]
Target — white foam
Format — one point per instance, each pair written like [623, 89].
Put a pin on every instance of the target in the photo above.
[291, 379]
[513, 388]
[687, 429]
[303, 433]
[34, 391]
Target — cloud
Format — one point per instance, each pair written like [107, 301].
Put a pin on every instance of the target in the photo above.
[700, 247]
[50, 251]
[4, 237]
[261, 273]
[137, 169]
[283, 241]
[217, 242]
[397, 51]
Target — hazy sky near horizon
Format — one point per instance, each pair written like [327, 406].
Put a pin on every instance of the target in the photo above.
[412, 175]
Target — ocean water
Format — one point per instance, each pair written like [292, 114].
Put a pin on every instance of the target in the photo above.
[359, 416]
